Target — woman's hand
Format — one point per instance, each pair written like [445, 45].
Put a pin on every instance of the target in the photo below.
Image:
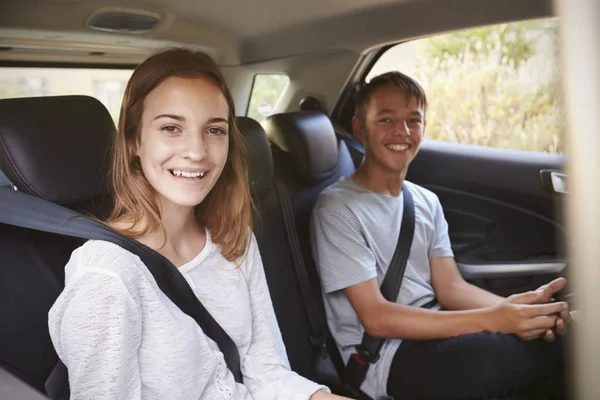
[323, 395]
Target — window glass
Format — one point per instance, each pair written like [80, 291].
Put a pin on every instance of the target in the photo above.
[493, 86]
[107, 85]
[267, 90]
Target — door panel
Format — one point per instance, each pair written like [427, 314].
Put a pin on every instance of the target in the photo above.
[503, 215]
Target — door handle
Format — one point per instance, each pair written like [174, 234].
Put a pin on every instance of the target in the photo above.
[554, 181]
[559, 182]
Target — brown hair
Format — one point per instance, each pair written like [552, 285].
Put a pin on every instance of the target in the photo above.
[406, 84]
[227, 209]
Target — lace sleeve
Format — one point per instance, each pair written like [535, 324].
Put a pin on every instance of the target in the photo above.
[95, 326]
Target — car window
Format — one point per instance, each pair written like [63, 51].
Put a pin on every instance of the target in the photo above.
[267, 90]
[494, 86]
[107, 85]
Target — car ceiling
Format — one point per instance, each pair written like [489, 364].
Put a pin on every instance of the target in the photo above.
[239, 31]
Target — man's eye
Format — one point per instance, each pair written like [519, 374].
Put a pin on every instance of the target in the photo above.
[385, 120]
[216, 131]
[415, 121]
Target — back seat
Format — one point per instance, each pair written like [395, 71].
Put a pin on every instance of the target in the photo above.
[56, 148]
[303, 153]
[275, 250]
[308, 157]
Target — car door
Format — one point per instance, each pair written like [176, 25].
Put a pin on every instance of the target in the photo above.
[503, 212]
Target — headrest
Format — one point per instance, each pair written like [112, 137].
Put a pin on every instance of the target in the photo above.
[56, 148]
[260, 160]
[310, 103]
[310, 138]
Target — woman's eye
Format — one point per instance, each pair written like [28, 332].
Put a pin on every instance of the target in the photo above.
[414, 121]
[385, 120]
[216, 131]
[170, 129]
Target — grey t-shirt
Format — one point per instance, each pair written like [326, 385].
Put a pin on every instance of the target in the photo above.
[354, 232]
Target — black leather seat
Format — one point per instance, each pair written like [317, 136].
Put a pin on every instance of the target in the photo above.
[4, 182]
[308, 157]
[55, 148]
[276, 254]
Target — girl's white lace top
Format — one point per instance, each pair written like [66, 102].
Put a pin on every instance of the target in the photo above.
[122, 338]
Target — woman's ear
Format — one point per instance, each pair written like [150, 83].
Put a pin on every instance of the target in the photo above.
[133, 150]
[136, 147]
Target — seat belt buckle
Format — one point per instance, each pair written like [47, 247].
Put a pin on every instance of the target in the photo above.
[355, 374]
[365, 355]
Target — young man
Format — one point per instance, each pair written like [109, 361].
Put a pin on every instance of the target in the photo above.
[481, 345]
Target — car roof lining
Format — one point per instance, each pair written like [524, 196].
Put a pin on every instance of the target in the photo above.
[237, 32]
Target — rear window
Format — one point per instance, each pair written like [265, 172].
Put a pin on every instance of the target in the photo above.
[107, 85]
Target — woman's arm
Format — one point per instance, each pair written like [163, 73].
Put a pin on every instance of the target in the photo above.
[321, 395]
[95, 326]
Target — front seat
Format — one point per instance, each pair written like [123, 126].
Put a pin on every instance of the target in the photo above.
[55, 148]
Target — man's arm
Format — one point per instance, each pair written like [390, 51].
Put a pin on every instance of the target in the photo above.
[382, 318]
[453, 292]
[515, 314]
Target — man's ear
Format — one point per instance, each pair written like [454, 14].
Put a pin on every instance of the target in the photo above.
[424, 126]
[358, 129]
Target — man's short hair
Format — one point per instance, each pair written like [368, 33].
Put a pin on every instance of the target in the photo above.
[410, 88]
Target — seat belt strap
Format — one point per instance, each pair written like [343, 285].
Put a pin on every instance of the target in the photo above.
[367, 352]
[23, 210]
[317, 325]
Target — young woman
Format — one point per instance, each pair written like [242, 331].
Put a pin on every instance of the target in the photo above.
[180, 188]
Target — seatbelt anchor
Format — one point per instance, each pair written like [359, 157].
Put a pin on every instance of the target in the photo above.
[365, 355]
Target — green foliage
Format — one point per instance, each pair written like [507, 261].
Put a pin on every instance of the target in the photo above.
[513, 40]
[490, 86]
